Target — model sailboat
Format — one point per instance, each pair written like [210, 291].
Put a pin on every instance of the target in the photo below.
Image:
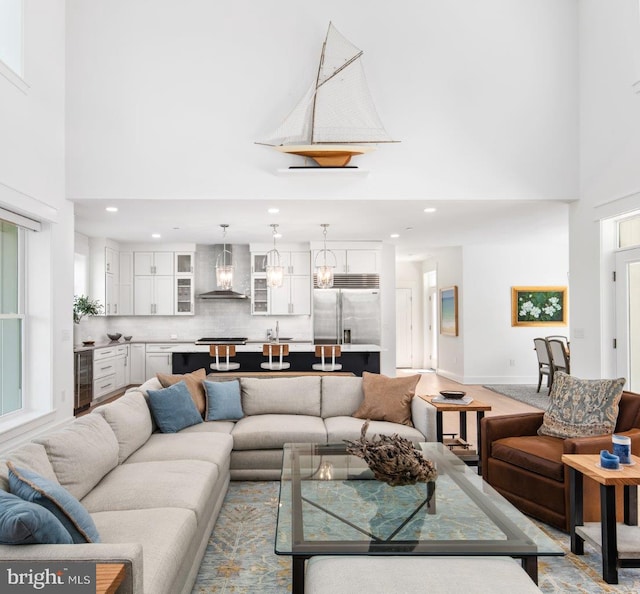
[336, 118]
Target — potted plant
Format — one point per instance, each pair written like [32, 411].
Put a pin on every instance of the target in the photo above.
[83, 306]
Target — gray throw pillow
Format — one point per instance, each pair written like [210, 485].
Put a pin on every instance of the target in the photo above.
[173, 409]
[581, 408]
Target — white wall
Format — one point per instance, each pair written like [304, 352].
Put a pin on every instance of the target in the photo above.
[166, 100]
[32, 182]
[609, 172]
[490, 342]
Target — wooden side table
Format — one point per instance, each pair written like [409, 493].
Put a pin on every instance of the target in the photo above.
[606, 535]
[108, 577]
[471, 458]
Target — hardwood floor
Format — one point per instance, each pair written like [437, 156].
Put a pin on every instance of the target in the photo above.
[432, 383]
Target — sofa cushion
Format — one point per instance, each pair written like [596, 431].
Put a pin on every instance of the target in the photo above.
[187, 484]
[211, 427]
[82, 453]
[339, 428]
[282, 395]
[208, 447]
[173, 409]
[30, 486]
[223, 401]
[262, 432]
[193, 382]
[32, 456]
[130, 420]
[24, 522]
[341, 396]
[581, 408]
[387, 398]
[541, 454]
[164, 533]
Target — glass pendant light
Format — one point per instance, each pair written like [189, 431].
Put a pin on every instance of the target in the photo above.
[275, 272]
[324, 268]
[224, 270]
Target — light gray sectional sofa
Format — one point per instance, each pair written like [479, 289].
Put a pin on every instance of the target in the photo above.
[155, 497]
[314, 409]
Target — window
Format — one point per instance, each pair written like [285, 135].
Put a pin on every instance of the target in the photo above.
[11, 34]
[11, 316]
[629, 231]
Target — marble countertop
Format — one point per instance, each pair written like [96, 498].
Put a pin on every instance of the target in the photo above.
[252, 346]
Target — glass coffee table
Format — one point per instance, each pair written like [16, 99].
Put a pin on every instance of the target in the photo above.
[330, 504]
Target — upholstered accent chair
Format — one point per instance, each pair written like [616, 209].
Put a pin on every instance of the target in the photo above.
[526, 468]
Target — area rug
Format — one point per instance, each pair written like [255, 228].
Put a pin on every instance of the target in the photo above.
[523, 393]
[240, 558]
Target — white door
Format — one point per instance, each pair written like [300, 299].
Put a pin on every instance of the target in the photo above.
[628, 317]
[404, 322]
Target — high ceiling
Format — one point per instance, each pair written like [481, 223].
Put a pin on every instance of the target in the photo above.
[453, 223]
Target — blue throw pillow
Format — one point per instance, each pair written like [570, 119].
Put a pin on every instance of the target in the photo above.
[23, 522]
[30, 486]
[223, 401]
[173, 408]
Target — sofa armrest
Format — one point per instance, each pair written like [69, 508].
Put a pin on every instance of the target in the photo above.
[494, 428]
[423, 416]
[593, 445]
[128, 553]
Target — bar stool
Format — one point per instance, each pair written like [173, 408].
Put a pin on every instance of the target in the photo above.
[223, 350]
[275, 350]
[324, 351]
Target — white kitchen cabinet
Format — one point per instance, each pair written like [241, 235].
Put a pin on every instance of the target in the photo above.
[111, 261]
[297, 263]
[153, 295]
[125, 284]
[183, 298]
[153, 263]
[137, 373]
[158, 363]
[292, 298]
[110, 369]
[110, 295]
[259, 295]
[183, 263]
[351, 261]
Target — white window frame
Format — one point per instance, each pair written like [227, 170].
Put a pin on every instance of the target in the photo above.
[14, 77]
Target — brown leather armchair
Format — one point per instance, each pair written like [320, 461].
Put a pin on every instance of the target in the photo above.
[526, 468]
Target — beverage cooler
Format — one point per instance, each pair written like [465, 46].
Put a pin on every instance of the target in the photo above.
[83, 380]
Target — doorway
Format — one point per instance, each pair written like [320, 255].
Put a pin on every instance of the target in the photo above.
[628, 316]
[404, 328]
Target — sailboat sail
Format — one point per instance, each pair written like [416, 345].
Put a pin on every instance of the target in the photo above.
[338, 108]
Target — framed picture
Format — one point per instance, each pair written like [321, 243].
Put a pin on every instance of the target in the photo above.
[539, 306]
[449, 311]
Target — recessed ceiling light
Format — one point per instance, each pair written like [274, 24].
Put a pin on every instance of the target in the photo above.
[111, 209]
[273, 210]
[394, 235]
[430, 209]
[156, 235]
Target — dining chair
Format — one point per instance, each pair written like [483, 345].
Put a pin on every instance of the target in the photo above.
[226, 351]
[545, 366]
[326, 351]
[559, 355]
[564, 339]
[275, 350]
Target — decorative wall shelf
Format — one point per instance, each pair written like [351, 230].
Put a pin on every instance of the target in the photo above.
[322, 172]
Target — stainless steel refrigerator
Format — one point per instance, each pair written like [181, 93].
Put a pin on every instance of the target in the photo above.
[346, 316]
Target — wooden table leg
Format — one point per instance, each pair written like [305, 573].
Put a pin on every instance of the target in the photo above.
[576, 506]
[609, 534]
[530, 565]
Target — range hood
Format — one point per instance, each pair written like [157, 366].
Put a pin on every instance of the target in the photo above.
[237, 259]
[229, 294]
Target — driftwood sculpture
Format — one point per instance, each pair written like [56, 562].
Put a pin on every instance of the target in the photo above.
[393, 459]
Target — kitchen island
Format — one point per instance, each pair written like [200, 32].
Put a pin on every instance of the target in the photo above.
[355, 358]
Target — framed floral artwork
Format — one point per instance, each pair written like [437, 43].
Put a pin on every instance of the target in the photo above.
[449, 311]
[539, 306]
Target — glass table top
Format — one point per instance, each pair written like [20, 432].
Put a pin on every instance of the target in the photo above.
[330, 503]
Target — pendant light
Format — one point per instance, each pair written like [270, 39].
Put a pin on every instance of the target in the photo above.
[324, 268]
[275, 272]
[224, 270]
